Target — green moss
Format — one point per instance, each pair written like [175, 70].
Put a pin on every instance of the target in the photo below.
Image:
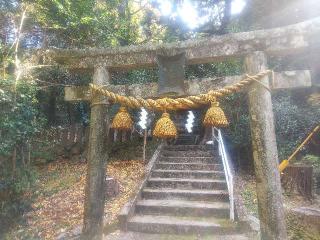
[249, 196]
[298, 230]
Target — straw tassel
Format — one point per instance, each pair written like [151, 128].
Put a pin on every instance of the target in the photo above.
[165, 127]
[215, 116]
[122, 120]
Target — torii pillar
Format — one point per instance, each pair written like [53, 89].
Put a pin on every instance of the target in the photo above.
[265, 153]
[97, 158]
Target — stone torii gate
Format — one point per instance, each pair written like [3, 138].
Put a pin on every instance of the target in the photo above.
[254, 46]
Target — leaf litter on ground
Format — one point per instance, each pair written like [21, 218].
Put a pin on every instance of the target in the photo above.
[58, 205]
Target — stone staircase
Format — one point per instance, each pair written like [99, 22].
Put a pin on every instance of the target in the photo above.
[185, 193]
[186, 139]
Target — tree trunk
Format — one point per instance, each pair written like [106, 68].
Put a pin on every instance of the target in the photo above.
[29, 153]
[95, 182]
[22, 155]
[14, 162]
[226, 17]
[265, 154]
[52, 106]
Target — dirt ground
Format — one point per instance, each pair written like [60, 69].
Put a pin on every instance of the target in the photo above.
[58, 206]
[57, 209]
[297, 227]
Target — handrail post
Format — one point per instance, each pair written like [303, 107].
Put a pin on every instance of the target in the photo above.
[226, 168]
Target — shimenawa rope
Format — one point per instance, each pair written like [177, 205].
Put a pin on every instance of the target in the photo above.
[177, 103]
[165, 127]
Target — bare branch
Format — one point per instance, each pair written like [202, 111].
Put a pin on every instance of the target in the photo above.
[17, 61]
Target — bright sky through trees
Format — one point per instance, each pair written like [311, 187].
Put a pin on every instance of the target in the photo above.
[188, 12]
[237, 6]
[189, 15]
[165, 7]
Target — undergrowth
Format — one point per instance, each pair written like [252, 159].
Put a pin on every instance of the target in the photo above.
[296, 228]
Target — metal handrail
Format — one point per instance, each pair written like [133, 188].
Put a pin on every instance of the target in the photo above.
[226, 168]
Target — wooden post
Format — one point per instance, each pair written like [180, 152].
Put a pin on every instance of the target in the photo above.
[265, 154]
[95, 182]
[144, 144]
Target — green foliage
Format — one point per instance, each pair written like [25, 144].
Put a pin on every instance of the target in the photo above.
[87, 23]
[312, 160]
[20, 118]
[135, 76]
[92, 23]
[13, 198]
[20, 121]
[294, 119]
[43, 150]
[71, 20]
[226, 68]
[236, 108]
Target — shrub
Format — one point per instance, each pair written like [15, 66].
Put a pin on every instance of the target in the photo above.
[20, 120]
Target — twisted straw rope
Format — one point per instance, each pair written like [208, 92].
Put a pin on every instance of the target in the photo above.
[178, 103]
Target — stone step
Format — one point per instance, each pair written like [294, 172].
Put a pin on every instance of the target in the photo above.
[187, 183]
[188, 166]
[188, 147]
[134, 235]
[189, 153]
[189, 159]
[182, 208]
[185, 141]
[185, 136]
[165, 173]
[190, 194]
[176, 225]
